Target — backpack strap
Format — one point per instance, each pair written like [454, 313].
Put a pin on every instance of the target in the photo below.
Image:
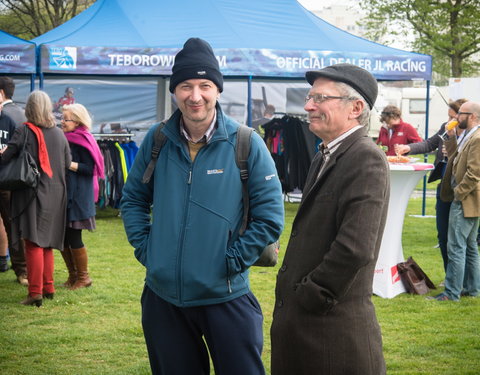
[242, 150]
[159, 141]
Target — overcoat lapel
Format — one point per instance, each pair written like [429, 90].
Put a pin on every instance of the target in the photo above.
[313, 183]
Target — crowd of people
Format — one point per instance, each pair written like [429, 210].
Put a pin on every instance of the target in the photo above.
[185, 222]
[52, 214]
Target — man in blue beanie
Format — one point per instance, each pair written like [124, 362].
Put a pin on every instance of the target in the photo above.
[184, 225]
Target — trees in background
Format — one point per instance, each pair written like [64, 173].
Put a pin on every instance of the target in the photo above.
[28, 19]
[449, 30]
[446, 29]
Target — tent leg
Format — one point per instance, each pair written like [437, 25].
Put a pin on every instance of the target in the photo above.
[249, 101]
[427, 105]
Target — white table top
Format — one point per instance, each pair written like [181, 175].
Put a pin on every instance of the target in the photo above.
[410, 166]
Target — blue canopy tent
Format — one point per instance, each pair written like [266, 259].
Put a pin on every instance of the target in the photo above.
[268, 39]
[261, 39]
[17, 56]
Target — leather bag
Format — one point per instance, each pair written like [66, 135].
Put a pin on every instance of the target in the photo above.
[269, 257]
[413, 277]
[21, 172]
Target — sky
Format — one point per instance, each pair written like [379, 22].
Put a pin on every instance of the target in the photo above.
[313, 5]
[320, 4]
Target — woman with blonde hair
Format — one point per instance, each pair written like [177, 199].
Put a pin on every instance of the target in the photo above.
[82, 191]
[39, 215]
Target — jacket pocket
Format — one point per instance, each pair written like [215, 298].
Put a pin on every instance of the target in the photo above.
[141, 252]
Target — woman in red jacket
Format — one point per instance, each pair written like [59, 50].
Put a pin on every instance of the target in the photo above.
[395, 131]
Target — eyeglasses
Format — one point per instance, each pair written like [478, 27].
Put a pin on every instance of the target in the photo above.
[320, 98]
[464, 113]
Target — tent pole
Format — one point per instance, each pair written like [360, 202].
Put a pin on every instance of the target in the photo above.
[32, 82]
[249, 101]
[427, 106]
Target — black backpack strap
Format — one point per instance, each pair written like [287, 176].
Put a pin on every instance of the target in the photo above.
[242, 150]
[159, 140]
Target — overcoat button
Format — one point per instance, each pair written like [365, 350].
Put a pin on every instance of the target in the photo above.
[284, 268]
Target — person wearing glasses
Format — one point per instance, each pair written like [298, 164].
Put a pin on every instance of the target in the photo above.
[435, 142]
[324, 321]
[395, 131]
[82, 191]
[461, 186]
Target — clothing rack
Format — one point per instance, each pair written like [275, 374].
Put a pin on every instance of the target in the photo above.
[119, 137]
[301, 116]
[113, 135]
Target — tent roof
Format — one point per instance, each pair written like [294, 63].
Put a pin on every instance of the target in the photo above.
[270, 38]
[17, 56]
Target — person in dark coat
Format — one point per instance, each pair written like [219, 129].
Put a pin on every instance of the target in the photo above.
[7, 127]
[17, 114]
[39, 215]
[11, 108]
[82, 187]
[324, 321]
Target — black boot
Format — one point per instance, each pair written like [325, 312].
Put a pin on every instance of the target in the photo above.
[3, 263]
[33, 300]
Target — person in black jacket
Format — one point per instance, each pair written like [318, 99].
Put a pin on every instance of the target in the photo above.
[82, 191]
[17, 115]
[7, 127]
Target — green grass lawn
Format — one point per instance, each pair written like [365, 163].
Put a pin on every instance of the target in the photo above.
[98, 331]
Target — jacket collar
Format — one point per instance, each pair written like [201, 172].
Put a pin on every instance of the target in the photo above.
[172, 127]
[313, 182]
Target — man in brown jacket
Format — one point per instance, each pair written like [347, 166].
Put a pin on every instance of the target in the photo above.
[324, 321]
[461, 186]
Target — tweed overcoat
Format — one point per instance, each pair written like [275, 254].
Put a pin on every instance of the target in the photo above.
[43, 219]
[324, 321]
[465, 166]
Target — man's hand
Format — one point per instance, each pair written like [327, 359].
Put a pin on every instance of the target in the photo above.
[402, 149]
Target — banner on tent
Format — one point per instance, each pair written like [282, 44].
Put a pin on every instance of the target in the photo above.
[16, 58]
[233, 62]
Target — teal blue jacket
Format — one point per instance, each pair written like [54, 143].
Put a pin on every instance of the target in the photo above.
[184, 224]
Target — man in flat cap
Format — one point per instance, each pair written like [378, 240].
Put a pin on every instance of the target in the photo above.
[324, 321]
[184, 225]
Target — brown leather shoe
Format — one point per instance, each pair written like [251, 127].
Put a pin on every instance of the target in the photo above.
[33, 300]
[22, 279]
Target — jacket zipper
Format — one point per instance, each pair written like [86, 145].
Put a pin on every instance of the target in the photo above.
[229, 283]
[185, 216]
[182, 236]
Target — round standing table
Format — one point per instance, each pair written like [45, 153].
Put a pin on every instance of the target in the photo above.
[403, 179]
